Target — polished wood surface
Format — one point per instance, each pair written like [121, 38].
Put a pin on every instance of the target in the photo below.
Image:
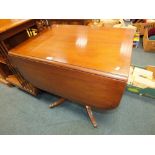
[57, 103]
[82, 64]
[6, 24]
[102, 49]
[75, 85]
[90, 114]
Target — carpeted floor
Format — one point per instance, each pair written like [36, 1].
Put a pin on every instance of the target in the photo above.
[21, 113]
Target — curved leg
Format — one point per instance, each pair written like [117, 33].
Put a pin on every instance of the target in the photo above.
[56, 103]
[90, 114]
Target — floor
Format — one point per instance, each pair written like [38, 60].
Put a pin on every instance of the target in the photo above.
[21, 113]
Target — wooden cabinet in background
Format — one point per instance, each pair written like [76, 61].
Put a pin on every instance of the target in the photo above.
[12, 33]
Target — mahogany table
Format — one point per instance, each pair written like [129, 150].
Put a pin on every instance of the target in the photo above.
[83, 64]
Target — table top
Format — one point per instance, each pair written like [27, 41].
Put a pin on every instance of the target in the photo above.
[100, 49]
[6, 24]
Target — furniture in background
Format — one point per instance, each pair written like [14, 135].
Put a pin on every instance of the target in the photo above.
[69, 21]
[86, 65]
[148, 45]
[142, 81]
[143, 24]
[12, 33]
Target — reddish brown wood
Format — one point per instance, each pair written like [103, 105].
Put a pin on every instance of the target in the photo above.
[6, 24]
[83, 64]
[101, 49]
[16, 39]
[80, 86]
[70, 21]
[90, 114]
[13, 32]
[56, 103]
[4, 71]
[10, 27]
[14, 82]
[2, 80]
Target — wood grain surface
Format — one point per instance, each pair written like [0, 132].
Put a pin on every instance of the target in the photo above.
[103, 49]
[83, 64]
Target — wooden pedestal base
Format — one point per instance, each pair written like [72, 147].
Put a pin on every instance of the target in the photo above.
[90, 114]
[88, 109]
[56, 103]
